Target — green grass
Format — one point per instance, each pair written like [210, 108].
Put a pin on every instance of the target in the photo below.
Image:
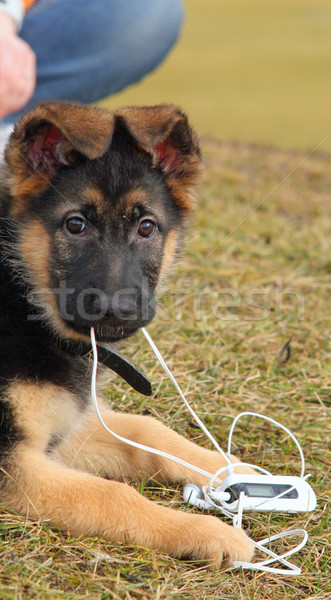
[256, 70]
[249, 280]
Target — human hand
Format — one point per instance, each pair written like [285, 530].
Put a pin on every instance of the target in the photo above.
[17, 69]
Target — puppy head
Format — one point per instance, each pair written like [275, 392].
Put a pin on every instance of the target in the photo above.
[99, 202]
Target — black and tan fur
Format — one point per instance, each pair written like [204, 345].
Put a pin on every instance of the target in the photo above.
[93, 208]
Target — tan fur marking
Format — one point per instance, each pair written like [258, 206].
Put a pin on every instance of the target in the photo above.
[64, 331]
[42, 410]
[184, 189]
[170, 248]
[94, 196]
[139, 197]
[23, 188]
[34, 249]
[134, 197]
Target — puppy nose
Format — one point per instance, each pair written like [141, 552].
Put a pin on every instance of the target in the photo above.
[123, 306]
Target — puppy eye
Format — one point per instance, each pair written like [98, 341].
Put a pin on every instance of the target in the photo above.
[76, 225]
[146, 228]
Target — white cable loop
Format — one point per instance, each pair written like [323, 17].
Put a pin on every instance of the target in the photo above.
[264, 565]
[289, 433]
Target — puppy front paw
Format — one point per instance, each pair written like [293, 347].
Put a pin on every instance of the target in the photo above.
[215, 542]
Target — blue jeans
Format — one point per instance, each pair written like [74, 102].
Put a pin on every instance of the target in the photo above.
[89, 49]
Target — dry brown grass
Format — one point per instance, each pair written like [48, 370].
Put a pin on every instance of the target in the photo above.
[249, 280]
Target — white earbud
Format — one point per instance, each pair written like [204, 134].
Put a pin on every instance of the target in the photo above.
[219, 496]
[193, 495]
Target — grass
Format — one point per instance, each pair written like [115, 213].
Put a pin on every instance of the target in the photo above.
[255, 273]
[256, 71]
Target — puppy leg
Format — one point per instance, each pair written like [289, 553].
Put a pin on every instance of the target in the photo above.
[95, 450]
[89, 505]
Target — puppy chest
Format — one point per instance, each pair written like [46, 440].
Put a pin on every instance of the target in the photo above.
[44, 412]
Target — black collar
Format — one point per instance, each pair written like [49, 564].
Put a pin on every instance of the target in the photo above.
[125, 369]
[114, 361]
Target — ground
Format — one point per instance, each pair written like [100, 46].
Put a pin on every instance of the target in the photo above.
[256, 71]
[254, 275]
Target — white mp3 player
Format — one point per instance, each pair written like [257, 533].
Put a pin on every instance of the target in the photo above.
[262, 493]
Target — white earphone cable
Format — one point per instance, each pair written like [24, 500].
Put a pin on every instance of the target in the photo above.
[172, 378]
[123, 439]
[262, 565]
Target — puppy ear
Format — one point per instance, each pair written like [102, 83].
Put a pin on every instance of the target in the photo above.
[52, 135]
[164, 132]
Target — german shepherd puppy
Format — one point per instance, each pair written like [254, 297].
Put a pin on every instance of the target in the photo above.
[93, 208]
